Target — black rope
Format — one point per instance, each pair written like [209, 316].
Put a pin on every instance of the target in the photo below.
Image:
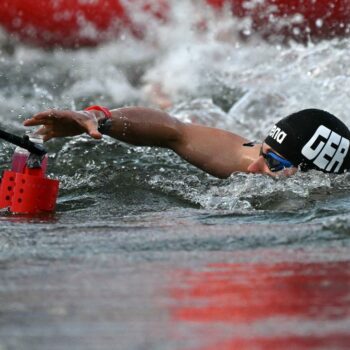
[23, 142]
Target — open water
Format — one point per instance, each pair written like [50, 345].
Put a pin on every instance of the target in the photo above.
[144, 250]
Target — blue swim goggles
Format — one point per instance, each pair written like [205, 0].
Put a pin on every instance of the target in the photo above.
[274, 161]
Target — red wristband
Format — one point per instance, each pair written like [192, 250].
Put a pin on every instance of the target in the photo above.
[105, 110]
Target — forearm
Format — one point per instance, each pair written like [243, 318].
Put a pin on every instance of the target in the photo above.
[215, 151]
[143, 127]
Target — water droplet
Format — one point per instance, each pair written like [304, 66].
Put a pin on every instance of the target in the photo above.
[319, 22]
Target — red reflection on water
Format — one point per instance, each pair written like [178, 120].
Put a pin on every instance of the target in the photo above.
[44, 217]
[269, 303]
[334, 341]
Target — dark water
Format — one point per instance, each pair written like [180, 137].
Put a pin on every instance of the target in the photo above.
[146, 252]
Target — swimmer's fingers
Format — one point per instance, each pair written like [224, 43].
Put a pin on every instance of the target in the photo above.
[34, 121]
[45, 133]
[43, 118]
[65, 123]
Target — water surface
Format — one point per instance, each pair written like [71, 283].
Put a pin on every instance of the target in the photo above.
[147, 252]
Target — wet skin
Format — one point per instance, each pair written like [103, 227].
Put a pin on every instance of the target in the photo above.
[259, 165]
[217, 152]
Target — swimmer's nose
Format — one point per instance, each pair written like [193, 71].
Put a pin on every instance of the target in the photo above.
[258, 166]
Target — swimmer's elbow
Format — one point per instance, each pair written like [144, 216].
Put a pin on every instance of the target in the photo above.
[176, 138]
[219, 174]
[224, 176]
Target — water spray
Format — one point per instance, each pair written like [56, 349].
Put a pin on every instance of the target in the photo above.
[25, 189]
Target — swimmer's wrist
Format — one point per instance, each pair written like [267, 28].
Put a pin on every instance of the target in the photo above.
[103, 117]
[106, 112]
[97, 115]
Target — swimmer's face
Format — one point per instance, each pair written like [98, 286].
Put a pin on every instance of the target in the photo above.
[260, 165]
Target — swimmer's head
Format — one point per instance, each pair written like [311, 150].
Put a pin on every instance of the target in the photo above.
[312, 139]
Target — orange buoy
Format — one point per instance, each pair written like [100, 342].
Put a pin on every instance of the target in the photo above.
[297, 20]
[70, 23]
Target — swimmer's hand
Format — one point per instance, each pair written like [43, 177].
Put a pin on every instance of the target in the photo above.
[59, 123]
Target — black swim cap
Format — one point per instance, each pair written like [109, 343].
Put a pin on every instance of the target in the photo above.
[312, 139]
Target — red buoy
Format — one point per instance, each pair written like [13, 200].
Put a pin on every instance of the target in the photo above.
[29, 192]
[298, 20]
[69, 23]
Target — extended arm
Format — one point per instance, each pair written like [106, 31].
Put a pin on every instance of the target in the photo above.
[215, 151]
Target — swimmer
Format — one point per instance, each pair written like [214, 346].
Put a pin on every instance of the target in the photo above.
[308, 139]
